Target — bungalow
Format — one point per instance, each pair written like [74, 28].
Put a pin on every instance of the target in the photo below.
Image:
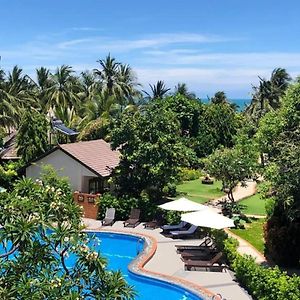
[88, 166]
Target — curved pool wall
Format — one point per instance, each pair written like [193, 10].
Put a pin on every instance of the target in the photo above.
[129, 253]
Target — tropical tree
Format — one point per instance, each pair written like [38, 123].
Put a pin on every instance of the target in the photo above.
[32, 136]
[233, 165]
[151, 151]
[109, 74]
[283, 173]
[43, 84]
[62, 91]
[267, 95]
[158, 90]
[40, 228]
[182, 89]
[223, 123]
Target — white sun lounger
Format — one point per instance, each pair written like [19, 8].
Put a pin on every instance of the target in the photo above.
[188, 232]
[173, 227]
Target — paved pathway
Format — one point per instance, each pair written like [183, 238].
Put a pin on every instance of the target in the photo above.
[167, 261]
[240, 192]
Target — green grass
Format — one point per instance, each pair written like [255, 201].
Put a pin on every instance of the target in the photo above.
[198, 192]
[254, 205]
[253, 233]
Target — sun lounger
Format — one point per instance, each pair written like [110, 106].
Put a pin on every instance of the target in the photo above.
[206, 243]
[133, 219]
[202, 254]
[179, 226]
[155, 223]
[213, 263]
[184, 233]
[109, 217]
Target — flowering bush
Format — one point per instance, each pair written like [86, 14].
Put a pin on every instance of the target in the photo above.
[41, 228]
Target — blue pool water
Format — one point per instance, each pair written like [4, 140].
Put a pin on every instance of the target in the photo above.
[120, 250]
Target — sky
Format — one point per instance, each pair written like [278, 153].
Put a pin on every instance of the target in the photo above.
[210, 45]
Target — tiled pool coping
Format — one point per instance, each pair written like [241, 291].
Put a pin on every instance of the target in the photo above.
[137, 265]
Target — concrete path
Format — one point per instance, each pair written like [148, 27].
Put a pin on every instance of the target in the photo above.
[240, 192]
[166, 261]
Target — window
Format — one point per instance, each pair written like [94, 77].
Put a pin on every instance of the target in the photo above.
[95, 186]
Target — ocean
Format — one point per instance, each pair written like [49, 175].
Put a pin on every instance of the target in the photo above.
[242, 103]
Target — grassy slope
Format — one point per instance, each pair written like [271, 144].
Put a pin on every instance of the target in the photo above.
[253, 234]
[198, 192]
[254, 205]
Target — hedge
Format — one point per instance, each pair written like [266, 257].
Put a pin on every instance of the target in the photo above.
[263, 283]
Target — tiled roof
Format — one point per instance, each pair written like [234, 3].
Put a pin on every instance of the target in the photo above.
[9, 153]
[96, 155]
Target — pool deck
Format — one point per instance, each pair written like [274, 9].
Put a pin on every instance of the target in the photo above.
[166, 261]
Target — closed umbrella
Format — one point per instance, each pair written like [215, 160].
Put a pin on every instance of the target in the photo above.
[183, 204]
[207, 218]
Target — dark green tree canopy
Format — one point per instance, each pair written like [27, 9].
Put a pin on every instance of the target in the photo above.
[151, 150]
[32, 137]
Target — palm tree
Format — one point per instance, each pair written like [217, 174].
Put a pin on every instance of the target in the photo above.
[109, 74]
[128, 82]
[266, 96]
[43, 85]
[62, 92]
[182, 89]
[16, 94]
[158, 90]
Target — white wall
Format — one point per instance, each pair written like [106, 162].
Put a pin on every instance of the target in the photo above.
[65, 165]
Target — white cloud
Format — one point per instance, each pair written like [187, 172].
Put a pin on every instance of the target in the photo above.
[177, 57]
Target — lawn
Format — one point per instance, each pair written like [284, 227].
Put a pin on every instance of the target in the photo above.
[198, 192]
[253, 233]
[254, 205]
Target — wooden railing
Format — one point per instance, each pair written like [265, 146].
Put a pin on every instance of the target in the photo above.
[88, 202]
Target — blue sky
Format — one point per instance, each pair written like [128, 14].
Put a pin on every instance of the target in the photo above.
[209, 44]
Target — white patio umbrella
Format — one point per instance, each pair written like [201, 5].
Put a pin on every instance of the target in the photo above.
[183, 204]
[207, 218]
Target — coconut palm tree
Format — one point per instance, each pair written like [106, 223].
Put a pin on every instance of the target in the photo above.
[182, 89]
[109, 74]
[62, 92]
[158, 90]
[266, 96]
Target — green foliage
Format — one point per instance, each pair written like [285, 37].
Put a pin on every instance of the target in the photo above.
[41, 226]
[7, 175]
[187, 174]
[172, 217]
[283, 173]
[32, 137]
[261, 282]
[97, 129]
[151, 151]
[232, 166]
[124, 204]
[222, 122]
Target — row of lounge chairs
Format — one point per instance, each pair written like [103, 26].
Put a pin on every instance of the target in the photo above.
[180, 230]
[132, 221]
[204, 256]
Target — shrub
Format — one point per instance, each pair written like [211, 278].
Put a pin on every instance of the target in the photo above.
[283, 241]
[170, 190]
[261, 282]
[187, 174]
[172, 217]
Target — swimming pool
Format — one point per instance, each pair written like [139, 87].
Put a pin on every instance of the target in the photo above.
[120, 250]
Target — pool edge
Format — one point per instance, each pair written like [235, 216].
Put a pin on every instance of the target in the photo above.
[138, 264]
